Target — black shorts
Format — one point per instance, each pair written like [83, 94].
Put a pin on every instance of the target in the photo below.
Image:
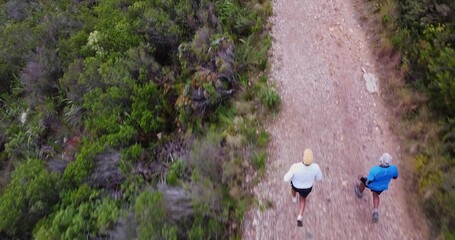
[364, 181]
[303, 192]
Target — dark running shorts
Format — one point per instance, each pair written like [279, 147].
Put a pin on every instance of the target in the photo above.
[364, 181]
[302, 192]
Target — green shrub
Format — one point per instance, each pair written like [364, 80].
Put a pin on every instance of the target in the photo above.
[79, 221]
[22, 140]
[207, 156]
[263, 138]
[149, 109]
[259, 160]
[242, 18]
[270, 98]
[114, 32]
[175, 172]
[442, 73]
[77, 171]
[29, 196]
[106, 214]
[210, 229]
[253, 52]
[150, 214]
[78, 196]
[83, 212]
[168, 19]
[133, 153]
[132, 186]
[17, 40]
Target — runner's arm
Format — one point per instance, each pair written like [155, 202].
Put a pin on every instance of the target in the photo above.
[319, 174]
[288, 176]
[396, 173]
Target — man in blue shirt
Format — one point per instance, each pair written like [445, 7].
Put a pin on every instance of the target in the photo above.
[377, 181]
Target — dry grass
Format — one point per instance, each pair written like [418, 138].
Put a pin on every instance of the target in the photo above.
[234, 141]
[389, 9]
[386, 48]
[243, 107]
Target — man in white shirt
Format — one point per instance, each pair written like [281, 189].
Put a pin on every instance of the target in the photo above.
[302, 176]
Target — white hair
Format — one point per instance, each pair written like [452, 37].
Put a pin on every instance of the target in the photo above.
[385, 159]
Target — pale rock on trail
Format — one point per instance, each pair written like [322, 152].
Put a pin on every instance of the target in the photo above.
[320, 55]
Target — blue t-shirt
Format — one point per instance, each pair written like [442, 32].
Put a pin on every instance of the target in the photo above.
[380, 176]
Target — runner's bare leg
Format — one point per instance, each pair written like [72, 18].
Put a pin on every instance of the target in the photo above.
[361, 187]
[302, 206]
[375, 200]
[293, 193]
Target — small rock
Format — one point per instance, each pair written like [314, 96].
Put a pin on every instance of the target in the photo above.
[371, 82]
[23, 117]
[255, 222]
[344, 183]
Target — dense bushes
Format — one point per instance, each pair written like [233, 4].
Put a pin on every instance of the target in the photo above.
[428, 36]
[112, 99]
[429, 31]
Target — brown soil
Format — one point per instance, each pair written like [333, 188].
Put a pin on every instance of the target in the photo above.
[319, 55]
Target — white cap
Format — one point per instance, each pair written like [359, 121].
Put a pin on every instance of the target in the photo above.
[385, 159]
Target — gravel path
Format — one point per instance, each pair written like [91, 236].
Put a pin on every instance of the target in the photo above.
[319, 56]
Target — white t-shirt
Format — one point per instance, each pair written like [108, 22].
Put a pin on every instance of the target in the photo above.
[303, 176]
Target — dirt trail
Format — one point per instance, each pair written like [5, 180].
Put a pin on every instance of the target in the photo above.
[319, 54]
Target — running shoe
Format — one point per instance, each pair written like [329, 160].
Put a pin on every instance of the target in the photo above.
[357, 191]
[375, 216]
[299, 221]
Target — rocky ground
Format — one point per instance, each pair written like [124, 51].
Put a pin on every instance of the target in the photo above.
[326, 75]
